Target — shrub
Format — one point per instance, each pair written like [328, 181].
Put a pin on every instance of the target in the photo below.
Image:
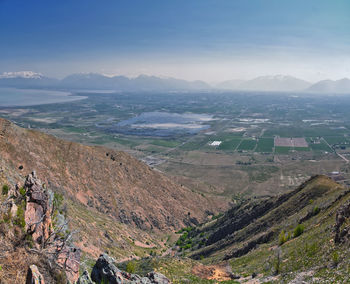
[5, 189]
[7, 217]
[57, 200]
[299, 229]
[131, 267]
[22, 191]
[316, 210]
[335, 258]
[282, 238]
[20, 215]
[187, 246]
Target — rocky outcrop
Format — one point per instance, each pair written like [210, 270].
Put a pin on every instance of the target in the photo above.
[342, 227]
[157, 278]
[38, 224]
[37, 214]
[69, 258]
[105, 270]
[34, 276]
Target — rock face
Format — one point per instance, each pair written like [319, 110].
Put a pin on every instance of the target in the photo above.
[37, 214]
[38, 223]
[341, 229]
[34, 276]
[105, 270]
[69, 258]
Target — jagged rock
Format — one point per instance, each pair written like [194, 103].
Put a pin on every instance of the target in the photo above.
[85, 278]
[69, 258]
[157, 278]
[342, 232]
[38, 223]
[37, 213]
[104, 269]
[34, 276]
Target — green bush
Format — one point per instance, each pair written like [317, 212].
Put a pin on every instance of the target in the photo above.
[316, 210]
[57, 200]
[131, 267]
[282, 238]
[20, 215]
[22, 191]
[5, 189]
[299, 229]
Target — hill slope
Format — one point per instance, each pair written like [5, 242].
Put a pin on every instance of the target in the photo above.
[301, 234]
[102, 187]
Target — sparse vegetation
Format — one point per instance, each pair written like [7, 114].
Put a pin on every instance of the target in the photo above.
[299, 229]
[131, 267]
[5, 189]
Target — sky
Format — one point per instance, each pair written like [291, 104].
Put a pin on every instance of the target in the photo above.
[210, 40]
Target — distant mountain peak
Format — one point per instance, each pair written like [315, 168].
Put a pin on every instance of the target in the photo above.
[21, 74]
[341, 86]
[277, 83]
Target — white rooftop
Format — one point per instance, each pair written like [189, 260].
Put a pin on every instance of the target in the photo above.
[215, 143]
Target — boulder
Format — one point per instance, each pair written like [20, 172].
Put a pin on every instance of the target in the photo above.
[34, 276]
[157, 278]
[104, 269]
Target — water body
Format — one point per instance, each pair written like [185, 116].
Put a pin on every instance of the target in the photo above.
[10, 97]
[162, 124]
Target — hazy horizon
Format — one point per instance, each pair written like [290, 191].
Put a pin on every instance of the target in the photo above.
[211, 41]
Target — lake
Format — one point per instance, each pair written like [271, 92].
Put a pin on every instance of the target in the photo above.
[161, 124]
[27, 97]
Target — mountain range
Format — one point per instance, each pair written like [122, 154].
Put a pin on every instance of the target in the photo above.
[95, 81]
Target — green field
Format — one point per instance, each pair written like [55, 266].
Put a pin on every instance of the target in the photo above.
[247, 145]
[322, 146]
[302, 149]
[229, 144]
[166, 143]
[336, 140]
[265, 145]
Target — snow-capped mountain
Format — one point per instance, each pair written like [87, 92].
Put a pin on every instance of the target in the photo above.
[21, 74]
[26, 79]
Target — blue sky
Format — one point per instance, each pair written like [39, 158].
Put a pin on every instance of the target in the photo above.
[211, 40]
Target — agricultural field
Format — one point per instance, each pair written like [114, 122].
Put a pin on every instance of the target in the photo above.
[173, 132]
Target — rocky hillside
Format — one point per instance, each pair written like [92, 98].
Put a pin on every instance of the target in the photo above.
[303, 234]
[108, 194]
[112, 182]
[37, 247]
